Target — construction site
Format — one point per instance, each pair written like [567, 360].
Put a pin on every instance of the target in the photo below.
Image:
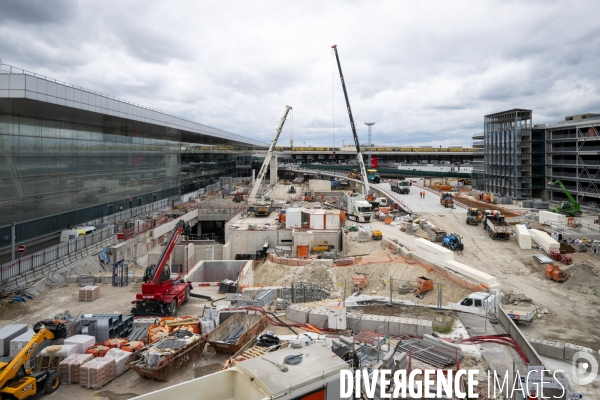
[273, 287]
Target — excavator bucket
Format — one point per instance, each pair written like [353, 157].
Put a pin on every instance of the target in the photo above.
[58, 327]
[424, 285]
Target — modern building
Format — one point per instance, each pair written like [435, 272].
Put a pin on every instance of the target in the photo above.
[70, 155]
[478, 174]
[573, 157]
[507, 153]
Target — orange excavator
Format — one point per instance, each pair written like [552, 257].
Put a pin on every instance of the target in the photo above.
[555, 273]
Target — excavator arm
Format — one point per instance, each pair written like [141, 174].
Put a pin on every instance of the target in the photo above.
[44, 330]
[571, 199]
[363, 170]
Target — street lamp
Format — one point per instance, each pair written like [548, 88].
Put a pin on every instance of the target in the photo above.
[370, 124]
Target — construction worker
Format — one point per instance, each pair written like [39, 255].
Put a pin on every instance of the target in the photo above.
[424, 194]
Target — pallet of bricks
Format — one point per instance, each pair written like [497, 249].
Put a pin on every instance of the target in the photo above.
[100, 364]
[89, 293]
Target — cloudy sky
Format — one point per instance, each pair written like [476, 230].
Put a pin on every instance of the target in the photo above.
[425, 71]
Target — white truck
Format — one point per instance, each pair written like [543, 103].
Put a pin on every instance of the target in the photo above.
[358, 208]
[479, 303]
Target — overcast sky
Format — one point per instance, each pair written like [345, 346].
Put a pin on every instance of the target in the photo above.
[426, 72]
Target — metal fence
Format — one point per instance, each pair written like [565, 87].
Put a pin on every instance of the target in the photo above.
[36, 260]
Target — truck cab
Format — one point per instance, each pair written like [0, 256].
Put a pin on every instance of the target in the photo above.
[402, 187]
[479, 303]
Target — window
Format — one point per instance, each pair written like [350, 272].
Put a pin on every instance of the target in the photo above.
[477, 303]
[467, 302]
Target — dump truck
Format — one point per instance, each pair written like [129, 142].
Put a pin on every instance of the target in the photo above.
[446, 200]
[495, 225]
[402, 187]
[555, 273]
[473, 216]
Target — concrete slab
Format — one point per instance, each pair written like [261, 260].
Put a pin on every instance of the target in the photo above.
[551, 349]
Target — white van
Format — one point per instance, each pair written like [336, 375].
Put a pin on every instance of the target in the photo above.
[70, 234]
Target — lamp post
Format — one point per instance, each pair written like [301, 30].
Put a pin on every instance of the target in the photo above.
[370, 124]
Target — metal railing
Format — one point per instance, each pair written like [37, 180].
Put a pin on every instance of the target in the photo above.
[38, 259]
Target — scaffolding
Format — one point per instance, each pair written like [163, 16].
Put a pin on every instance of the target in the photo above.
[572, 157]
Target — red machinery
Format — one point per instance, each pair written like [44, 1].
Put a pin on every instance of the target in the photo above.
[161, 295]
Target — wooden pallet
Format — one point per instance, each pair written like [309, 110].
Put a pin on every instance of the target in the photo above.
[254, 351]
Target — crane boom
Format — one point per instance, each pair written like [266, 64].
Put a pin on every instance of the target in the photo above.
[265, 165]
[166, 254]
[361, 163]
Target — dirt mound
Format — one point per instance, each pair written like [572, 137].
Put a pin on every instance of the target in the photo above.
[583, 278]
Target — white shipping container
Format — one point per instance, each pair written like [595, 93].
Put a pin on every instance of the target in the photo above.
[332, 219]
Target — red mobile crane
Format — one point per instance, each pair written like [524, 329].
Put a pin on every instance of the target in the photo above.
[161, 295]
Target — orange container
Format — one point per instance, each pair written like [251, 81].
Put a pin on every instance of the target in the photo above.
[303, 251]
[342, 216]
[281, 218]
[387, 220]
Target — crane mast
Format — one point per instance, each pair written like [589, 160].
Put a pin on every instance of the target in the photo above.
[265, 165]
[361, 163]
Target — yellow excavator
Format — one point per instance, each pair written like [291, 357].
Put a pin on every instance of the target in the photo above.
[18, 383]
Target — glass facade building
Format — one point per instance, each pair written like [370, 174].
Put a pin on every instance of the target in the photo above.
[507, 153]
[68, 155]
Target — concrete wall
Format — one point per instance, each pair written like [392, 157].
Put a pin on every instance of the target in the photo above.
[216, 271]
[319, 185]
[184, 252]
[248, 242]
[313, 238]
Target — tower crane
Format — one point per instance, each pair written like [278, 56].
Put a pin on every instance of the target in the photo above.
[361, 163]
[257, 203]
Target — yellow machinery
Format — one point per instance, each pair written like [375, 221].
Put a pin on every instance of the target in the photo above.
[18, 383]
[376, 235]
[325, 246]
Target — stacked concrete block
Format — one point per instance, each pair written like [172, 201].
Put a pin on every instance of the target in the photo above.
[69, 367]
[550, 349]
[523, 237]
[571, 349]
[551, 218]
[89, 293]
[319, 317]
[534, 342]
[352, 321]
[7, 334]
[298, 313]
[97, 372]
[544, 240]
[429, 249]
[83, 342]
[470, 272]
[424, 327]
[408, 326]
[374, 323]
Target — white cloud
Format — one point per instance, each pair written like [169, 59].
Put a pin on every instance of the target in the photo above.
[425, 71]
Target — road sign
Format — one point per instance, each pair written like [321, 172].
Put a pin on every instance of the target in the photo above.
[21, 249]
